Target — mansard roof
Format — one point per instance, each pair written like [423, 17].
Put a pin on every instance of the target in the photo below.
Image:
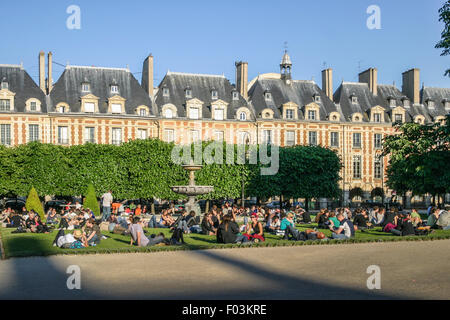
[24, 87]
[68, 88]
[438, 95]
[201, 86]
[300, 92]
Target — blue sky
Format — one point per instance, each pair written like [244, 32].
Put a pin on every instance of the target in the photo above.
[200, 36]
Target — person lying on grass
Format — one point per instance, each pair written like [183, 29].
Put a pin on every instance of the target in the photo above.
[139, 238]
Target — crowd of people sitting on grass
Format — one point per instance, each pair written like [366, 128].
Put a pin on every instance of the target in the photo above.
[221, 223]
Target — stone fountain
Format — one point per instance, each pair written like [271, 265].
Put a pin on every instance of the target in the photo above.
[192, 190]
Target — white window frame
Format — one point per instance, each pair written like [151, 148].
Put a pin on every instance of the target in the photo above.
[312, 114]
[87, 135]
[168, 113]
[378, 141]
[116, 108]
[357, 161]
[169, 135]
[334, 139]
[85, 87]
[243, 116]
[219, 114]
[5, 134]
[33, 132]
[192, 114]
[357, 142]
[142, 134]
[114, 88]
[87, 105]
[116, 136]
[63, 135]
[5, 105]
[267, 136]
[290, 138]
[312, 138]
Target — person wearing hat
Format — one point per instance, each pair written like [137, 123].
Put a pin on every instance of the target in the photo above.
[79, 240]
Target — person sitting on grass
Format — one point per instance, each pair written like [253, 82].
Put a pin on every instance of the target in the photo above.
[433, 218]
[273, 225]
[322, 219]
[287, 225]
[80, 240]
[208, 225]
[52, 217]
[14, 220]
[346, 229]
[377, 216]
[390, 217]
[139, 238]
[254, 231]
[416, 219]
[228, 231]
[333, 221]
[361, 220]
[166, 220]
[117, 227]
[34, 224]
[93, 233]
[403, 225]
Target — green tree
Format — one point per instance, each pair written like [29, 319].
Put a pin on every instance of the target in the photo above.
[34, 203]
[419, 158]
[90, 200]
[444, 43]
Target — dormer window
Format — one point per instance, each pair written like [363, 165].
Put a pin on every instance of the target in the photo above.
[85, 87]
[168, 114]
[219, 114]
[430, 104]
[188, 93]
[354, 98]
[406, 103]
[166, 92]
[392, 102]
[235, 95]
[242, 116]
[289, 114]
[62, 109]
[4, 85]
[316, 98]
[33, 106]
[446, 103]
[398, 118]
[115, 89]
[311, 114]
[214, 94]
[267, 96]
[142, 112]
[377, 117]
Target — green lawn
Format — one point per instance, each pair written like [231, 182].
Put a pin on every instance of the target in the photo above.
[28, 244]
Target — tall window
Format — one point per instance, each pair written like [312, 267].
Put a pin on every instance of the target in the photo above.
[33, 106]
[63, 135]
[188, 93]
[357, 140]
[377, 141]
[312, 114]
[398, 118]
[5, 134]
[312, 138]
[377, 117]
[357, 167]
[218, 113]
[33, 132]
[267, 136]
[89, 135]
[244, 138]
[334, 139]
[242, 116]
[290, 138]
[142, 112]
[195, 136]
[142, 134]
[166, 92]
[235, 95]
[377, 168]
[5, 105]
[193, 113]
[214, 95]
[116, 136]
[169, 135]
[219, 135]
[289, 114]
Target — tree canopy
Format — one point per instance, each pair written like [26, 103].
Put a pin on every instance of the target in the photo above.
[444, 43]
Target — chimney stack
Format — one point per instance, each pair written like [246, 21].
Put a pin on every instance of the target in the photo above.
[327, 82]
[411, 85]
[370, 77]
[242, 78]
[147, 76]
[42, 71]
[49, 76]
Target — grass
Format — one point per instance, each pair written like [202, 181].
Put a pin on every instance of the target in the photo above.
[28, 244]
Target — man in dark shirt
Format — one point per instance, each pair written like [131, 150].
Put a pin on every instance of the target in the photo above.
[361, 221]
[93, 233]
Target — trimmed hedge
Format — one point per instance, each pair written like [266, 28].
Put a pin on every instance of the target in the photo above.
[34, 203]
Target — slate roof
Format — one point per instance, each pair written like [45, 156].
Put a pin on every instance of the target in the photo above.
[437, 95]
[201, 86]
[365, 100]
[301, 92]
[20, 83]
[68, 88]
[388, 91]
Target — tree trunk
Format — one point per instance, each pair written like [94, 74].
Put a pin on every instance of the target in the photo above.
[307, 204]
[153, 207]
[207, 206]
